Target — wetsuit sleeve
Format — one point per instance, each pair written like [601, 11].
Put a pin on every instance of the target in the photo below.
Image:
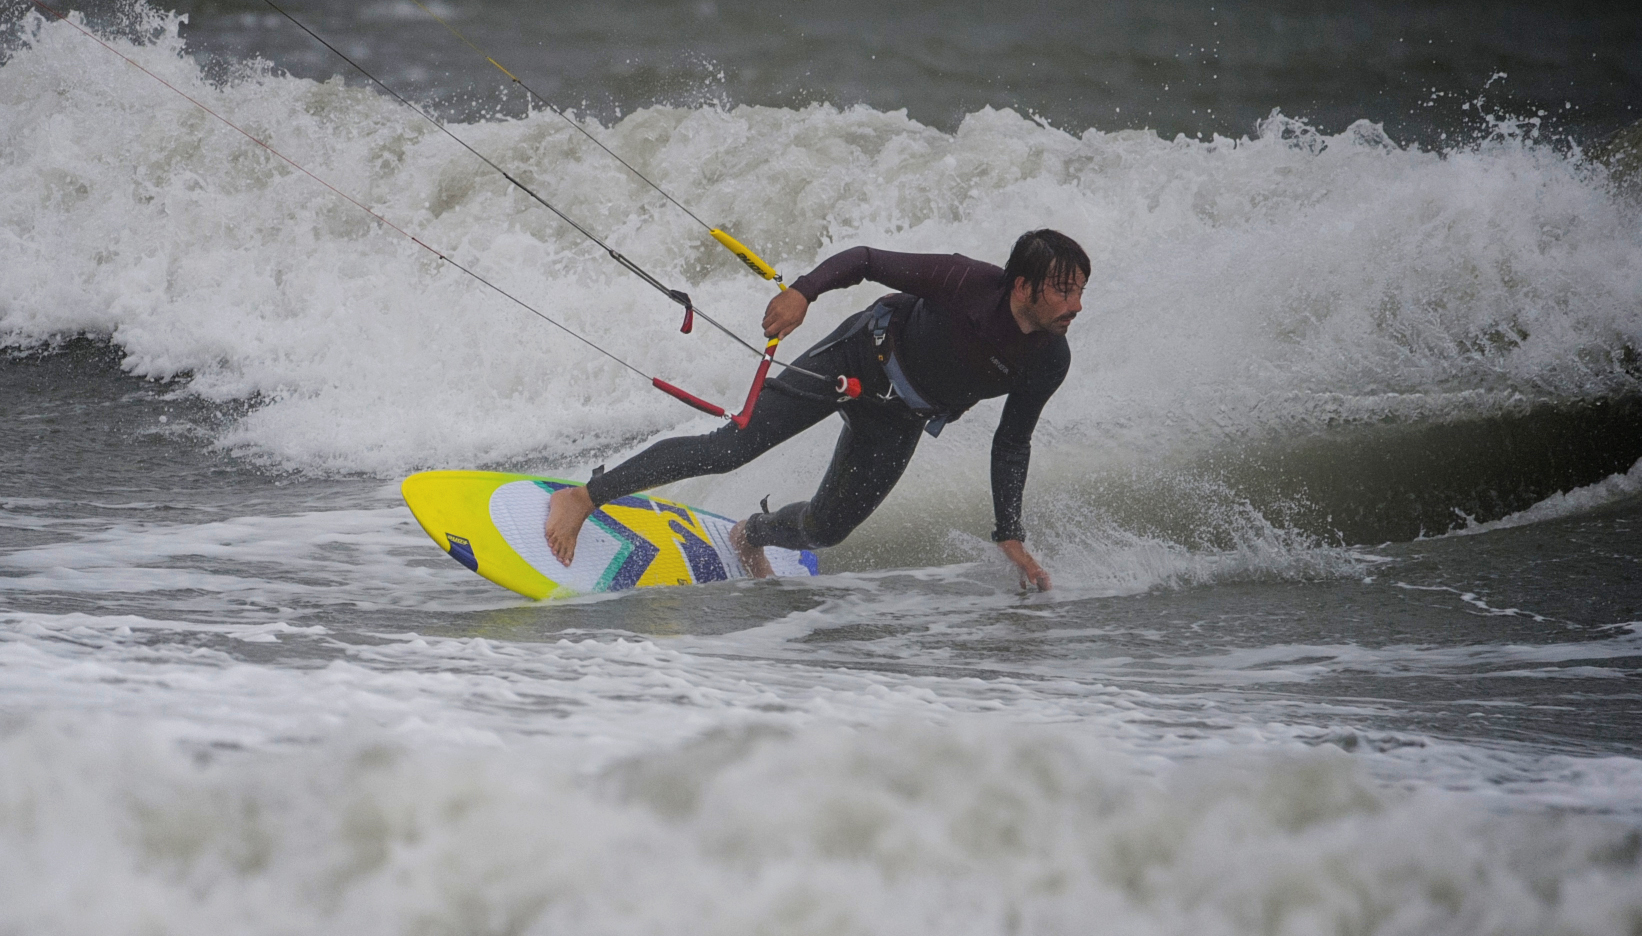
[939, 278]
[1012, 443]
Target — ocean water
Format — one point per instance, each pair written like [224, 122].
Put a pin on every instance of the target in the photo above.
[1342, 497]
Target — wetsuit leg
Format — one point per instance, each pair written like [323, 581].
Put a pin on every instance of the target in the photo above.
[777, 418]
[872, 453]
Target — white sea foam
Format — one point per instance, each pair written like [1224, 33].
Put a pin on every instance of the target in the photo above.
[344, 560]
[400, 841]
[1107, 557]
[425, 785]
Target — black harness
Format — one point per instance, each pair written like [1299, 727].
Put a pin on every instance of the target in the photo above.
[883, 322]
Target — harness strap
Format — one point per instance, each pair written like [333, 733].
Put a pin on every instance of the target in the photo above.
[883, 341]
[879, 321]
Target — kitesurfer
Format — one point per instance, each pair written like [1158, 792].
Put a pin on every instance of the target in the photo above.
[957, 331]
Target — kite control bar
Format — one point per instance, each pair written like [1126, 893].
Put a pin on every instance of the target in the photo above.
[848, 387]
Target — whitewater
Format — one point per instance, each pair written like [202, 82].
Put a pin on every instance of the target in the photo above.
[1341, 498]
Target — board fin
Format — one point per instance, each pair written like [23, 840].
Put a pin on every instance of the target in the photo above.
[462, 551]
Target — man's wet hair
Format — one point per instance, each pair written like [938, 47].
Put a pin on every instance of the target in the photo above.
[1046, 256]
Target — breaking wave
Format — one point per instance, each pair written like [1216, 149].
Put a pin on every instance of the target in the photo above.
[1263, 310]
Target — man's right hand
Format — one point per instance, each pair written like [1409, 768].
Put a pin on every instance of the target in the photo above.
[1031, 573]
[784, 313]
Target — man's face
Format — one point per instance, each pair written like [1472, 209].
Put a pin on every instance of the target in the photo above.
[1055, 307]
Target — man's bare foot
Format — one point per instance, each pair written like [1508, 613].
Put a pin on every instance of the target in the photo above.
[567, 510]
[752, 557]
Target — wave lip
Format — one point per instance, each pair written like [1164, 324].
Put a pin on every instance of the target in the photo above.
[1614, 489]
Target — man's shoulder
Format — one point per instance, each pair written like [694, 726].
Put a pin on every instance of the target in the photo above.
[949, 261]
[979, 266]
[974, 285]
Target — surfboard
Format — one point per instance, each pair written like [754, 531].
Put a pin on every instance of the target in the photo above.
[491, 522]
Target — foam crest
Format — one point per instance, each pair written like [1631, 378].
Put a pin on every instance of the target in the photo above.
[1615, 489]
[1111, 559]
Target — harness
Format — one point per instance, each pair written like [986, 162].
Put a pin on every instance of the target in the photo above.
[879, 320]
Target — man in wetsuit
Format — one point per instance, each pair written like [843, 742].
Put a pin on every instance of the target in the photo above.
[957, 332]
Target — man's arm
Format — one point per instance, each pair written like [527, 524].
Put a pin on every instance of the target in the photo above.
[1012, 454]
[939, 278]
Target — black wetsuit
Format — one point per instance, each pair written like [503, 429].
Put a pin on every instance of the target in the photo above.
[956, 347]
